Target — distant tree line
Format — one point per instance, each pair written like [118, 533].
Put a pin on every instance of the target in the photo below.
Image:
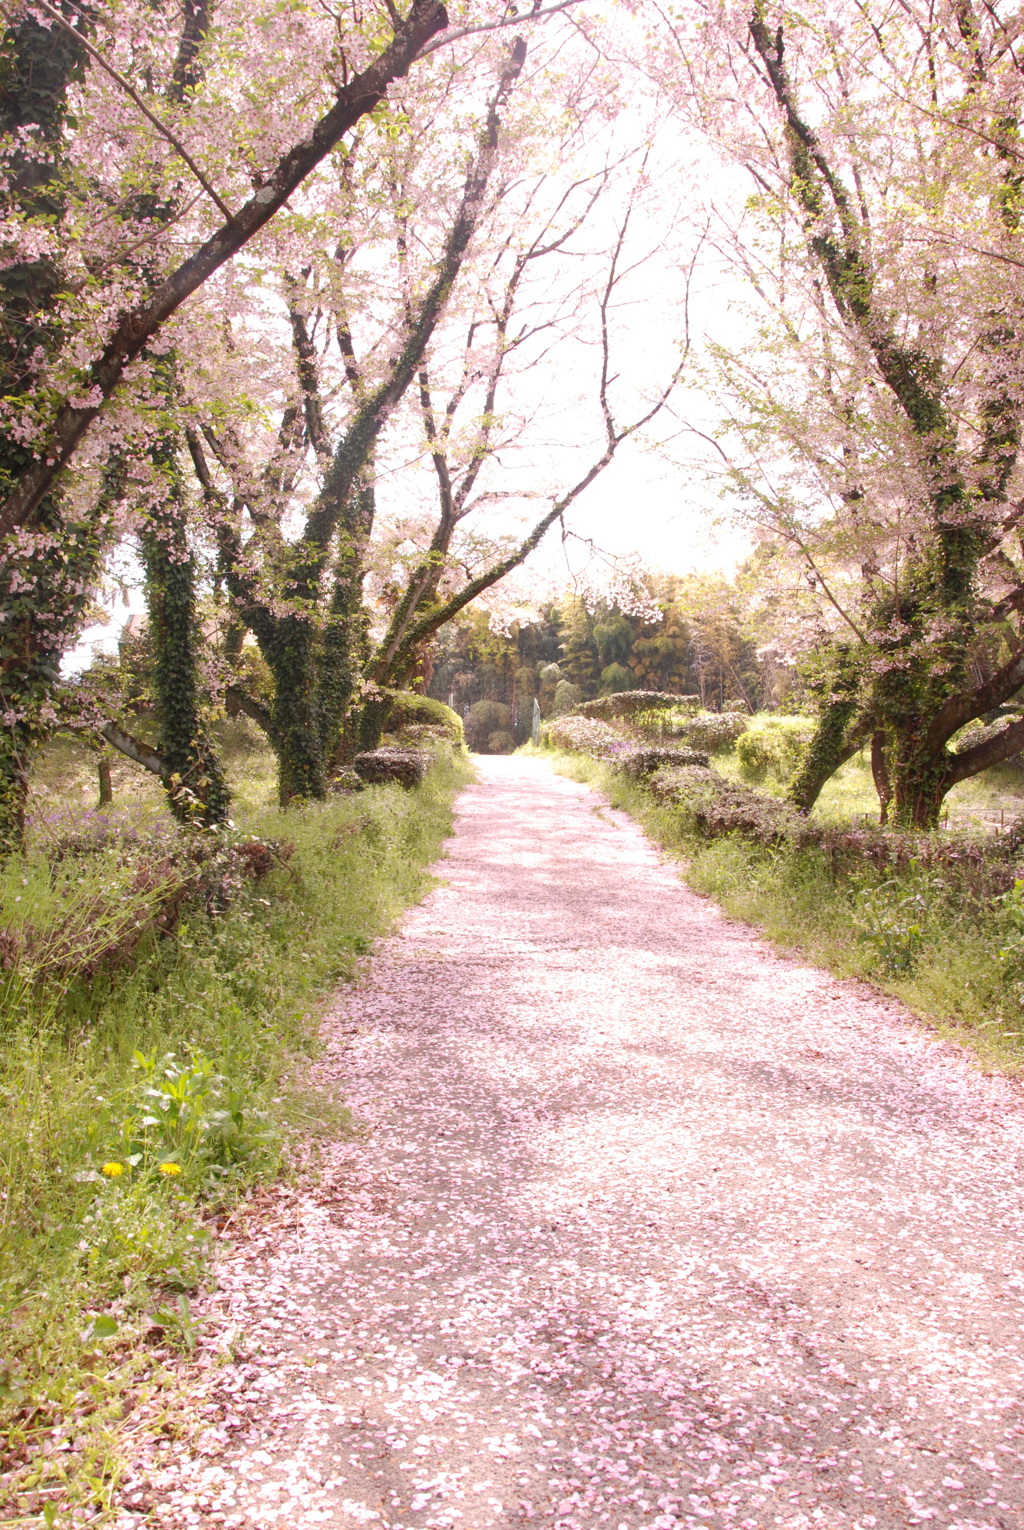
[687, 636]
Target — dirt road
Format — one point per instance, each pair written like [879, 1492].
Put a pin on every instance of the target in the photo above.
[651, 1227]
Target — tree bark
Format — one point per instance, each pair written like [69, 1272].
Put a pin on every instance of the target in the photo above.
[880, 775]
[105, 782]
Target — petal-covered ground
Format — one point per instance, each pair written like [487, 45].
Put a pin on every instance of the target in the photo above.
[650, 1227]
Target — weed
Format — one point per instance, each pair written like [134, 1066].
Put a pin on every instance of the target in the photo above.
[889, 919]
[180, 1328]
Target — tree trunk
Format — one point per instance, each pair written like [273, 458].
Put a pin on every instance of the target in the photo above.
[920, 780]
[345, 645]
[292, 657]
[40, 596]
[106, 784]
[837, 737]
[880, 775]
[373, 720]
[196, 789]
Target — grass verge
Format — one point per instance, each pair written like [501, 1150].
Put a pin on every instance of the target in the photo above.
[954, 958]
[137, 1100]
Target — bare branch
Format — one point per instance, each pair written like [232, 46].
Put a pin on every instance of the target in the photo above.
[141, 753]
[496, 26]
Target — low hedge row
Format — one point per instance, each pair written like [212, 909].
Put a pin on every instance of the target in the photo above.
[631, 703]
[715, 807]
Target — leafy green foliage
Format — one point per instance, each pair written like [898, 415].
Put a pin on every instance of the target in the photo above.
[411, 710]
[638, 704]
[890, 919]
[483, 719]
[774, 748]
[712, 731]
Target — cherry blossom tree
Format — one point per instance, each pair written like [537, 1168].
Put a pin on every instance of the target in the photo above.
[393, 291]
[142, 151]
[873, 426]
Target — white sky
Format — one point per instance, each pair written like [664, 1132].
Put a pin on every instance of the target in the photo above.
[646, 507]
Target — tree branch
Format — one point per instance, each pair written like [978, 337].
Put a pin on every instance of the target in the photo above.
[141, 753]
[1001, 746]
[235, 696]
[161, 127]
[140, 323]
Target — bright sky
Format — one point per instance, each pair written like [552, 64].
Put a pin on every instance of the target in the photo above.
[648, 507]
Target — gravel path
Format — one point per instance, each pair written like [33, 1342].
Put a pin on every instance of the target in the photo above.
[652, 1227]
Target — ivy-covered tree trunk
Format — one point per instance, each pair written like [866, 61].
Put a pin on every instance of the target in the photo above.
[196, 789]
[42, 569]
[345, 644]
[880, 774]
[837, 736]
[291, 653]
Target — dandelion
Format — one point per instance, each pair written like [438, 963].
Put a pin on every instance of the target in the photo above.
[170, 1169]
[113, 1170]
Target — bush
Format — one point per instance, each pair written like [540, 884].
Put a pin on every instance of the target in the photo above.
[500, 743]
[630, 703]
[485, 718]
[714, 806]
[638, 761]
[94, 887]
[586, 735]
[775, 748]
[712, 731]
[615, 680]
[411, 710]
[567, 697]
[378, 767]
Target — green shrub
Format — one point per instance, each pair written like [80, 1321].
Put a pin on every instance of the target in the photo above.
[500, 742]
[411, 710]
[630, 704]
[713, 731]
[774, 747]
[485, 718]
[713, 806]
[584, 735]
[615, 679]
[641, 760]
[566, 698]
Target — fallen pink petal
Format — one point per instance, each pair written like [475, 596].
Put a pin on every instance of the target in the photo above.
[648, 1226]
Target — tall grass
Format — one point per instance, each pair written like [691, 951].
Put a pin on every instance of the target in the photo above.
[136, 1099]
[953, 956]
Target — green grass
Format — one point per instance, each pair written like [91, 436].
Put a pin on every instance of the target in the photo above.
[952, 957]
[179, 1066]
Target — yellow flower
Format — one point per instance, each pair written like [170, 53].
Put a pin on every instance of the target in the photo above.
[169, 1168]
[113, 1170]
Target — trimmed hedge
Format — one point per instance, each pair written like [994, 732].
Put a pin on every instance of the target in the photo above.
[637, 761]
[377, 767]
[711, 731]
[629, 703]
[411, 710]
[775, 748]
[585, 735]
[714, 807]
